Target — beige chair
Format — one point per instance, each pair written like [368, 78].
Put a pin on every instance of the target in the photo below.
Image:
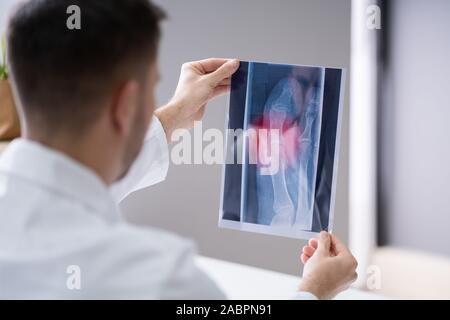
[407, 274]
[3, 145]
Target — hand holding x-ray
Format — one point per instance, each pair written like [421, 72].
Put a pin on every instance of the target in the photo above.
[200, 81]
[329, 266]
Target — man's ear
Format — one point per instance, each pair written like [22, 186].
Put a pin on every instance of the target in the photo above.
[123, 107]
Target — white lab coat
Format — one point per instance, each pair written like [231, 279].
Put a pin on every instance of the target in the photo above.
[62, 235]
[60, 230]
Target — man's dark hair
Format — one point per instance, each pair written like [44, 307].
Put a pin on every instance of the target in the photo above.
[61, 73]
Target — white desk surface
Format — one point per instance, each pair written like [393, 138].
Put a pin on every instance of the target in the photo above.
[245, 282]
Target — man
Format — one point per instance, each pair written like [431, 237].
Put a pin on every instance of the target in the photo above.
[90, 137]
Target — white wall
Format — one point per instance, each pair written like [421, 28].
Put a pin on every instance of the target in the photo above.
[415, 163]
[6, 6]
[290, 31]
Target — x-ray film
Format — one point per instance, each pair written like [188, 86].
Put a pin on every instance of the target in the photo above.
[283, 133]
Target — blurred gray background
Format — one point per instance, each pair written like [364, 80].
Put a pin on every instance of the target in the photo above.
[414, 132]
[288, 31]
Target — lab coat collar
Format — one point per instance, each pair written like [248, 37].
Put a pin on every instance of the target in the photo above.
[60, 174]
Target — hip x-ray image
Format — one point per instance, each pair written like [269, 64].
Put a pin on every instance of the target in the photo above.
[282, 143]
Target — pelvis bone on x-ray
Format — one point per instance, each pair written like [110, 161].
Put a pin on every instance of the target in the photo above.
[295, 103]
